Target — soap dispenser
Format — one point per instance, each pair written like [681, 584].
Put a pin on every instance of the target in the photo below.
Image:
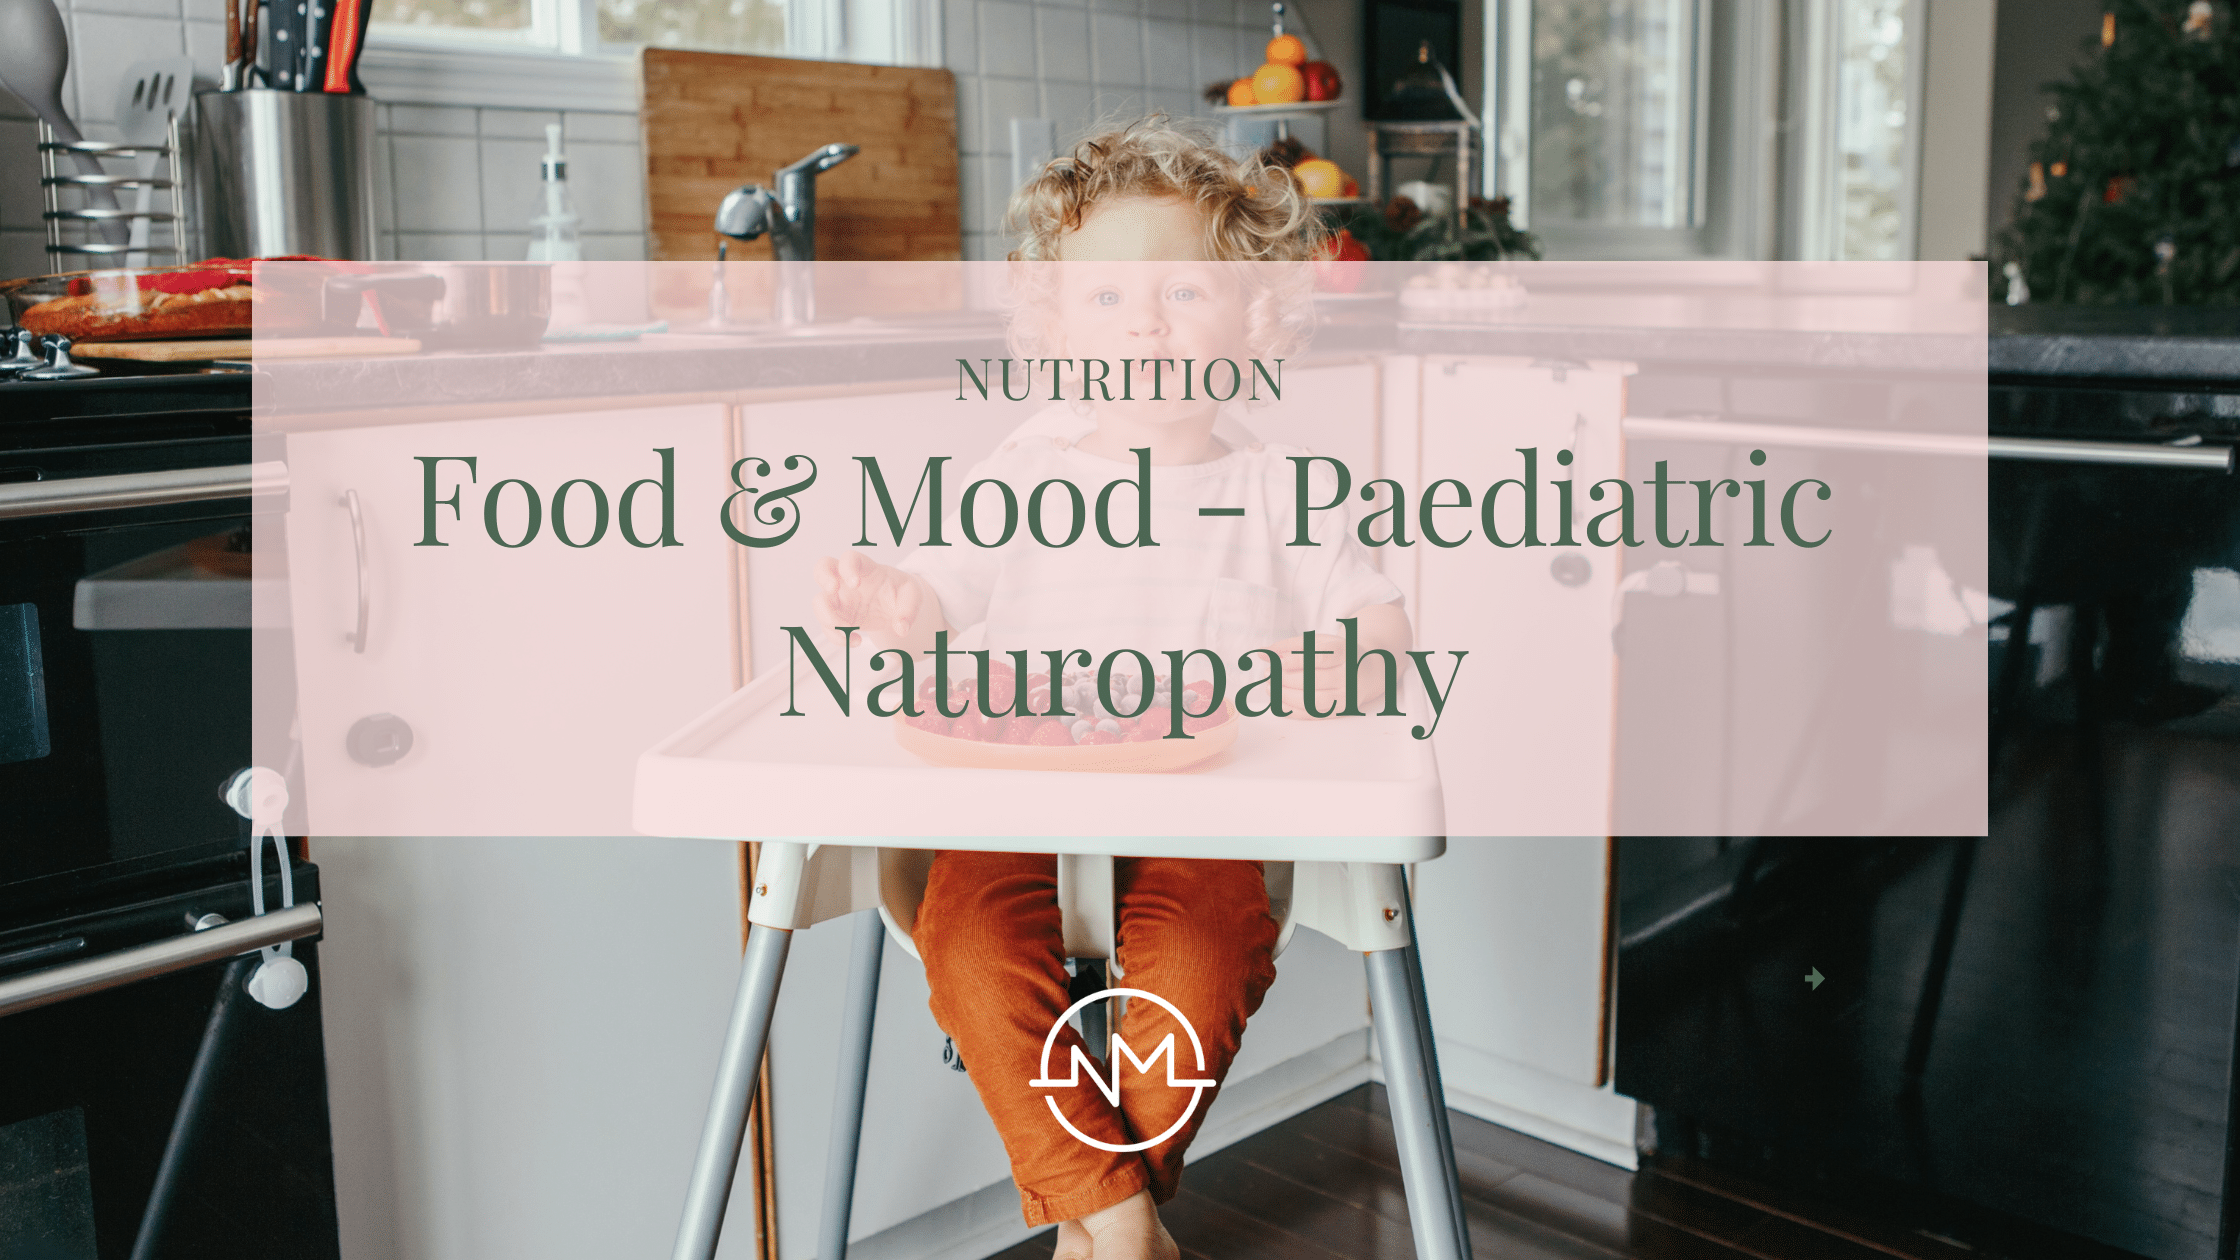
[553, 233]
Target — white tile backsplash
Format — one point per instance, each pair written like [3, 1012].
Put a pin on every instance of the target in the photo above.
[442, 246]
[1062, 42]
[516, 124]
[431, 120]
[608, 185]
[439, 183]
[603, 128]
[1118, 44]
[1006, 38]
[20, 206]
[454, 182]
[1062, 100]
[1166, 54]
[1002, 100]
[960, 35]
[513, 183]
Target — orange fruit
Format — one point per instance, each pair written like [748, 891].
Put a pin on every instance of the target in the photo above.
[1320, 177]
[1277, 84]
[1287, 50]
[1240, 93]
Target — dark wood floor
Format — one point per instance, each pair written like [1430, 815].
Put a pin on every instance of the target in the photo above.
[1325, 1185]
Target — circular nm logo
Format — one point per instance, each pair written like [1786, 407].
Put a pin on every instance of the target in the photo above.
[1119, 1050]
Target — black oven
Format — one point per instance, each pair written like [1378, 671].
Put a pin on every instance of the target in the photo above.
[149, 1106]
[2026, 1039]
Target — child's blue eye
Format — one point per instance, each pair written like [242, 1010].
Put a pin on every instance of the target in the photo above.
[1185, 294]
[1107, 297]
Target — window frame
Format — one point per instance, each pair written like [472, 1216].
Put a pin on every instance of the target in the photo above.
[426, 65]
[1737, 125]
[1816, 221]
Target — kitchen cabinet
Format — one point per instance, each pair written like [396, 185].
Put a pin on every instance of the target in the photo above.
[529, 677]
[1529, 754]
[1514, 924]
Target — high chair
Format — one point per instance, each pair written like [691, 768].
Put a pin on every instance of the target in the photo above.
[1361, 797]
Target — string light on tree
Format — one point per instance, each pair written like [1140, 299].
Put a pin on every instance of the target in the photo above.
[2133, 194]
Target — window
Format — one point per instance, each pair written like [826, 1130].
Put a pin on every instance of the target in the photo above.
[1627, 129]
[1613, 134]
[897, 32]
[1874, 136]
[1856, 81]
[1633, 129]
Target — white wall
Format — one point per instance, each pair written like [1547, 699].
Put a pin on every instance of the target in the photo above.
[1956, 128]
[1514, 956]
[521, 1035]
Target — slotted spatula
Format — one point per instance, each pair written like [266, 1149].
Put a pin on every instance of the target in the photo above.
[148, 96]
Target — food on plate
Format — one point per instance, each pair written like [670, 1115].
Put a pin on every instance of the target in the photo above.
[1086, 719]
[206, 299]
[1240, 93]
[1323, 83]
[1278, 84]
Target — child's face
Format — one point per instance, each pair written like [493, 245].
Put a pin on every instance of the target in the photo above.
[1138, 285]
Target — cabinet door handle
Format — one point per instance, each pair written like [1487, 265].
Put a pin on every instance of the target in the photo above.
[358, 549]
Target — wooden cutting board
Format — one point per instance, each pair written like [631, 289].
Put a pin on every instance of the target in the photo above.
[714, 121]
[244, 348]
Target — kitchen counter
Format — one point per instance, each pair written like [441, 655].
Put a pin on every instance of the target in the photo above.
[2023, 347]
[1837, 333]
[2175, 343]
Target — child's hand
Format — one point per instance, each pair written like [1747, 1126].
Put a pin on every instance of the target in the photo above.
[884, 601]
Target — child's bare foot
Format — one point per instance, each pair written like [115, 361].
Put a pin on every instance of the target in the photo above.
[1073, 1242]
[1128, 1230]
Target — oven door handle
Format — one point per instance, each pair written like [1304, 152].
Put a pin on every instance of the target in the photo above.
[2202, 457]
[159, 958]
[141, 489]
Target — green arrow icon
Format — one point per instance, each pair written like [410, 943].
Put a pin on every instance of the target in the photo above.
[1814, 978]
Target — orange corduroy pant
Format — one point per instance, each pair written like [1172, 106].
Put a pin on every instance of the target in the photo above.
[1197, 933]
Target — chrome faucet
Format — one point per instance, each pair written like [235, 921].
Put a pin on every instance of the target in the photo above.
[789, 217]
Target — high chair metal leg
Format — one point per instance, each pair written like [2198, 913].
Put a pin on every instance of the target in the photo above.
[1438, 1081]
[725, 1132]
[1418, 1107]
[850, 1085]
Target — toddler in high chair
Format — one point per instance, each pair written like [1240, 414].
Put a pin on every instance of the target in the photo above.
[1164, 249]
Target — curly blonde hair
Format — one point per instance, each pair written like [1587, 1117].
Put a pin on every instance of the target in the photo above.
[1253, 210]
[1256, 221]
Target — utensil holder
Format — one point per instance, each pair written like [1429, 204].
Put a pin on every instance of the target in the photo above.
[72, 228]
[283, 173]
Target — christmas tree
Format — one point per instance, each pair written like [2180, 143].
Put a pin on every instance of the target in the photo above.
[2133, 196]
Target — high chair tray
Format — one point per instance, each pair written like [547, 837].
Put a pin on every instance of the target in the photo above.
[1345, 789]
